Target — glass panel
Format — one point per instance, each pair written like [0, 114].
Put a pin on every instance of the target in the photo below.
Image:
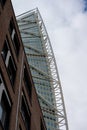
[2, 2]
[0, 112]
[14, 37]
[25, 115]
[16, 43]
[4, 111]
[5, 50]
[11, 70]
[26, 81]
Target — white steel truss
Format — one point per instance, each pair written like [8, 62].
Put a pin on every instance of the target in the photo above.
[58, 108]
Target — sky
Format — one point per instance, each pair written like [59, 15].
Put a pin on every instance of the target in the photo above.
[66, 23]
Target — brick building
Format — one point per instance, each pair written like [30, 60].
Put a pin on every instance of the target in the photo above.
[19, 106]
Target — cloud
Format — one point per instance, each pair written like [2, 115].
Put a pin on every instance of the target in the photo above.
[70, 45]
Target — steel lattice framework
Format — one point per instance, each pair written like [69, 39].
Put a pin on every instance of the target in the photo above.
[58, 108]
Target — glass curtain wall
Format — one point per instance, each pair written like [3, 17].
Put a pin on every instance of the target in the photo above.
[40, 56]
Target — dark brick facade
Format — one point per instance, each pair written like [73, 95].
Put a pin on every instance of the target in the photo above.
[19, 106]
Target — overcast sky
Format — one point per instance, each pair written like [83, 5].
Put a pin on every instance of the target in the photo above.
[66, 23]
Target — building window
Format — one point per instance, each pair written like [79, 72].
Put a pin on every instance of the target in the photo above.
[4, 111]
[16, 43]
[25, 113]
[27, 81]
[14, 37]
[11, 27]
[11, 70]
[5, 106]
[20, 128]
[2, 2]
[42, 126]
[9, 62]
[6, 52]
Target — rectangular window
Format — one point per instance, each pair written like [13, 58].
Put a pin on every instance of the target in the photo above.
[11, 28]
[42, 126]
[6, 52]
[20, 128]
[14, 37]
[4, 111]
[2, 2]
[9, 62]
[25, 113]
[16, 43]
[27, 81]
[5, 106]
[11, 70]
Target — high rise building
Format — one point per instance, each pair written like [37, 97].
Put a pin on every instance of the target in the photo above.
[19, 105]
[43, 68]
